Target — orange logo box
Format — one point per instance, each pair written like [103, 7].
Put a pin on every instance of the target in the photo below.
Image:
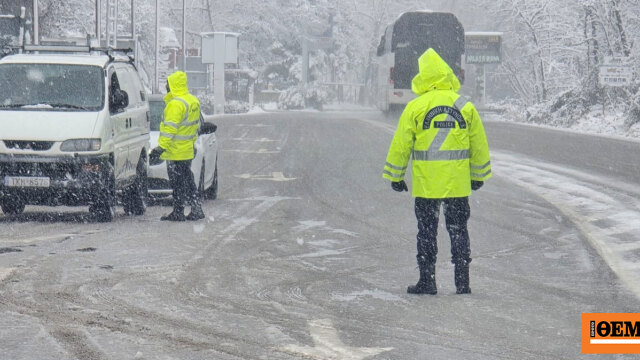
[615, 333]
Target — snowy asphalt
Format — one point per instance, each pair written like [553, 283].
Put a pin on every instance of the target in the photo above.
[307, 253]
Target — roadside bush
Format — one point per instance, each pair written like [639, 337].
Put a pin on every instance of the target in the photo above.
[236, 107]
[300, 97]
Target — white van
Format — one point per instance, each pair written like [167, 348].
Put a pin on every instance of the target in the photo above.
[74, 130]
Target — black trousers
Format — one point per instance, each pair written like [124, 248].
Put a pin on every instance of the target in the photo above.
[182, 183]
[456, 214]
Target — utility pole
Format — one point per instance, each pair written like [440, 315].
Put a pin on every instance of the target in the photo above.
[305, 60]
[156, 81]
[36, 25]
[134, 37]
[112, 23]
[98, 22]
[23, 12]
[184, 35]
[133, 21]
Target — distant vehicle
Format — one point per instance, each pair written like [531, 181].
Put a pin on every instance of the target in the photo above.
[402, 44]
[74, 131]
[204, 165]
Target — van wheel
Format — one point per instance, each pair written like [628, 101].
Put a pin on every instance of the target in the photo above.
[134, 198]
[12, 205]
[103, 208]
[212, 192]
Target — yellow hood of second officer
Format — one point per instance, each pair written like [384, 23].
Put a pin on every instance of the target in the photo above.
[434, 74]
[178, 83]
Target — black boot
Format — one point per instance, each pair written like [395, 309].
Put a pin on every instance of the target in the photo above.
[176, 215]
[427, 282]
[196, 212]
[461, 274]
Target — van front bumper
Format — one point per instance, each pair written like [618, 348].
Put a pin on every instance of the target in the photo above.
[70, 180]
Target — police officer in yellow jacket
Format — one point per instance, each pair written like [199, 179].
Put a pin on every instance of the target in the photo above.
[178, 134]
[444, 136]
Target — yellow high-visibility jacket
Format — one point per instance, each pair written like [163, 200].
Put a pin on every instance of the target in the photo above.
[179, 127]
[442, 133]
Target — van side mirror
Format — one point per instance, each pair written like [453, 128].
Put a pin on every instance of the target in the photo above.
[118, 100]
[208, 128]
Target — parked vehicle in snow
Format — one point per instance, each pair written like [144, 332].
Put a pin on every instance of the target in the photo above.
[75, 131]
[204, 164]
[402, 43]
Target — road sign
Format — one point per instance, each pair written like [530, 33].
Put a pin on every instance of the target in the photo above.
[194, 63]
[615, 71]
[483, 47]
[228, 47]
[198, 80]
[219, 48]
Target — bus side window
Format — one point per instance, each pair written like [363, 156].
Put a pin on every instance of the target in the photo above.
[383, 41]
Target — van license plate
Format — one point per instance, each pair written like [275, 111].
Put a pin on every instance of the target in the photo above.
[26, 181]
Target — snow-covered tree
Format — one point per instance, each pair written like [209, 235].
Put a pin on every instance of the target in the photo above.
[552, 49]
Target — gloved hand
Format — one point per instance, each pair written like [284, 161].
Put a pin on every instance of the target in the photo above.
[399, 186]
[475, 185]
[154, 155]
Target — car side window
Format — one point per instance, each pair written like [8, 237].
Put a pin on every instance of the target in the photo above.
[137, 82]
[127, 84]
[114, 87]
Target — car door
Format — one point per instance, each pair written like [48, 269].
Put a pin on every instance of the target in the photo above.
[209, 146]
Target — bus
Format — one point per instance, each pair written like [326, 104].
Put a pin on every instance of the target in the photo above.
[401, 45]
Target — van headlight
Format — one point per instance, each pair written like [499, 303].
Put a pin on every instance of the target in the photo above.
[81, 145]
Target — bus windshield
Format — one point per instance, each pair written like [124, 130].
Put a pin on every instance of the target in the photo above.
[51, 87]
[415, 32]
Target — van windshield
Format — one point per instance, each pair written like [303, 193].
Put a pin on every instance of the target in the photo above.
[51, 87]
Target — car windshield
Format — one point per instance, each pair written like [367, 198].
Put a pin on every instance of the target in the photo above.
[157, 111]
[49, 87]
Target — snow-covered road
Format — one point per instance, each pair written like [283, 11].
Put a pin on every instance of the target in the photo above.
[307, 254]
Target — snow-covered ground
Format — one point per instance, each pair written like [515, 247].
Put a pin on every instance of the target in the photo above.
[605, 209]
[601, 121]
[310, 254]
[606, 212]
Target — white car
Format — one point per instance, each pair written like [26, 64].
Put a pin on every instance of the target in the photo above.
[204, 165]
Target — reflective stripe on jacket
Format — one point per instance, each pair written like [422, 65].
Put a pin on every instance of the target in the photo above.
[443, 134]
[179, 128]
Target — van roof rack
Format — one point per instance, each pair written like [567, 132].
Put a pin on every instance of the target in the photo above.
[56, 48]
[110, 52]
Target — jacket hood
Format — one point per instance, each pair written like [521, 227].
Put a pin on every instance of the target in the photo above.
[434, 74]
[178, 83]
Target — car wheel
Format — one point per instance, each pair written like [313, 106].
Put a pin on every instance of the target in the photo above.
[12, 205]
[212, 191]
[102, 208]
[134, 198]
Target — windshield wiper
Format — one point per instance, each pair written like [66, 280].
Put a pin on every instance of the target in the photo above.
[68, 106]
[59, 106]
